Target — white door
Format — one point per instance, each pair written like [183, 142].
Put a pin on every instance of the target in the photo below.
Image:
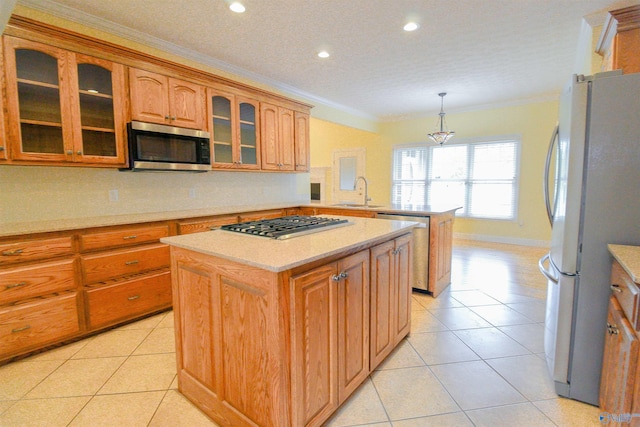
[347, 166]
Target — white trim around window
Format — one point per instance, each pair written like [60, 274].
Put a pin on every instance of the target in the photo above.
[481, 174]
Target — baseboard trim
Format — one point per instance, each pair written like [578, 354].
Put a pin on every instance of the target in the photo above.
[502, 239]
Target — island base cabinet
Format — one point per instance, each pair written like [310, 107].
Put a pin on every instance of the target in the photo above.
[285, 349]
[330, 342]
[230, 340]
[390, 296]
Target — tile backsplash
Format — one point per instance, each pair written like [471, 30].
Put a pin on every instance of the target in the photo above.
[35, 193]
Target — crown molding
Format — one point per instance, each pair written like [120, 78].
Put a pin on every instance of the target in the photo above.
[127, 33]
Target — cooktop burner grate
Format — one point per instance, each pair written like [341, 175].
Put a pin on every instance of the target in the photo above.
[286, 227]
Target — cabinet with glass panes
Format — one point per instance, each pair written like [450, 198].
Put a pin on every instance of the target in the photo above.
[233, 121]
[63, 107]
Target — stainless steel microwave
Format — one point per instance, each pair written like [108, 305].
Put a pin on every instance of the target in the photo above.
[159, 147]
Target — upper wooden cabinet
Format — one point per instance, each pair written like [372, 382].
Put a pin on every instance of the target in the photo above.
[160, 99]
[619, 41]
[234, 128]
[62, 106]
[277, 129]
[3, 136]
[68, 99]
[302, 141]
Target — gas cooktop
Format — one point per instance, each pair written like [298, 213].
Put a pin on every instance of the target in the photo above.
[286, 227]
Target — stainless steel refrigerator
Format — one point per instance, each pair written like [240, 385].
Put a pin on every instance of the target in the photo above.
[592, 190]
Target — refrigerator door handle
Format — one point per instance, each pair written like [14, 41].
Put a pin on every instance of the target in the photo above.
[547, 167]
[544, 271]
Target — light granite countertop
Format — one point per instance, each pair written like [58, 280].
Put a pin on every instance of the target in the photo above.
[629, 259]
[67, 224]
[27, 227]
[280, 255]
[408, 210]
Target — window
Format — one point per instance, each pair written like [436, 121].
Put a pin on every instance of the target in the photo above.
[481, 176]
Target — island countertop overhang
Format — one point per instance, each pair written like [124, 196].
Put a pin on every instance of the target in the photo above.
[281, 255]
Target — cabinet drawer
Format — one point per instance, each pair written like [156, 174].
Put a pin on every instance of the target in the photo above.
[122, 237]
[626, 292]
[257, 216]
[124, 300]
[34, 280]
[31, 250]
[36, 323]
[188, 227]
[110, 265]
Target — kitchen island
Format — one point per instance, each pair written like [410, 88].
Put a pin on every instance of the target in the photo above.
[281, 332]
[433, 248]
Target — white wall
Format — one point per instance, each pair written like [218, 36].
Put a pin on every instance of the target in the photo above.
[35, 193]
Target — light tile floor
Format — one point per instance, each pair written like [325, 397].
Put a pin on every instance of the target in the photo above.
[473, 358]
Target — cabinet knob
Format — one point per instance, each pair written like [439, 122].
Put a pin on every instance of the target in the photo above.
[616, 288]
[79, 153]
[335, 278]
[1, 148]
[612, 329]
[344, 275]
[69, 152]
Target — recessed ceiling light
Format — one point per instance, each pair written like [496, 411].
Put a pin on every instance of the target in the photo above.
[237, 7]
[411, 26]
[323, 54]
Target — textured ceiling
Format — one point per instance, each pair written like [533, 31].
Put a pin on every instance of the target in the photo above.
[482, 52]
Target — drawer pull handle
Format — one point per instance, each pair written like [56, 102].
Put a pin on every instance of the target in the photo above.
[15, 285]
[133, 236]
[135, 261]
[13, 252]
[24, 328]
[616, 288]
[133, 297]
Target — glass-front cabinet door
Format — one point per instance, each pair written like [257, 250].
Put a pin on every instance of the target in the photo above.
[62, 106]
[234, 130]
[98, 115]
[39, 120]
[248, 142]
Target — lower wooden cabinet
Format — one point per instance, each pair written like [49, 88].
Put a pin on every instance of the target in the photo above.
[59, 286]
[390, 296]
[205, 224]
[330, 348]
[256, 347]
[620, 377]
[33, 280]
[128, 299]
[619, 363]
[39, 322]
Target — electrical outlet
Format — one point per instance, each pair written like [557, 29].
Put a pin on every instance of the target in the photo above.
[113, 195]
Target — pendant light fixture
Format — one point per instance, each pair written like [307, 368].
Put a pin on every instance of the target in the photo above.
[441, 134]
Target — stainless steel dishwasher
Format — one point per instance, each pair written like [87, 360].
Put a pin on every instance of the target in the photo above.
[420, 248]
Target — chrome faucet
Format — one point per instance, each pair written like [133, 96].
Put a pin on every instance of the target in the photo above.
[367, 199]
